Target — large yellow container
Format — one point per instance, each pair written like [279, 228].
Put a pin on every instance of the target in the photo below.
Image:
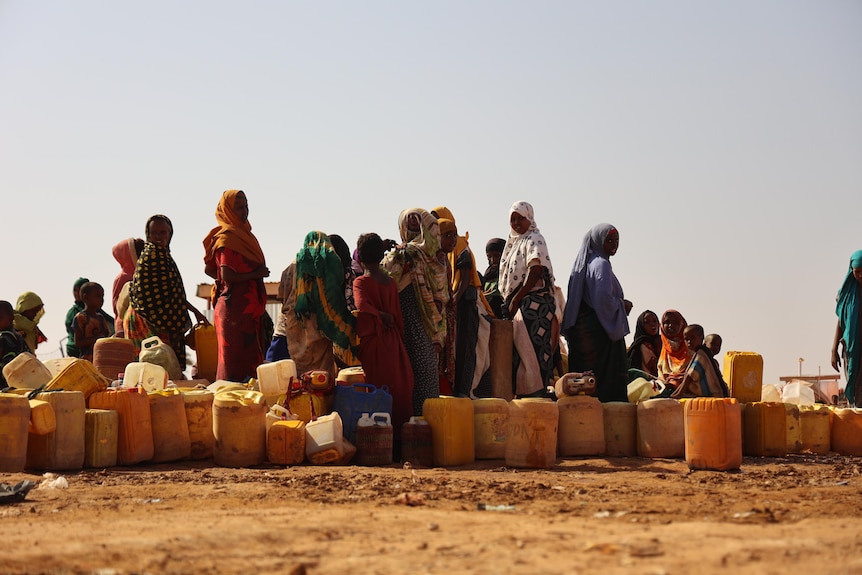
[489, 427]
[199, 418]
[581, 428]
[101, 428]
[42, 418]
[452, 429]
[14, 420]
[57, 364]
[816, 429]
[661, 428]
[846, 435]
[765, 425]
[794, 428]
[531, 433]
[170, 429]
[621, 433]
[239, 426]
[307, 406]
[79, 375]
[111, 355]
[206, 351]
[63, 448]
[712, 433]
[135, 425]
[285, 442]
[26, 371]
[743, 372]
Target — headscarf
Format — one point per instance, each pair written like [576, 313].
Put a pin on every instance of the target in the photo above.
[674, 353]
[414, 263]
[127, 256]
[320, 290]
[495, 245]
[604, 294]
[462, 245]
[521, 249]
[641, 337]
[231, 232]
[79, 282]
[157, 291]
[26, 326]
[847, 309]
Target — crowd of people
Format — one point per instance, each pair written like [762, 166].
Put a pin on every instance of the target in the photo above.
[414, 313]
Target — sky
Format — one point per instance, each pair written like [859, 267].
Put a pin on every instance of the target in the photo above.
[722, 139]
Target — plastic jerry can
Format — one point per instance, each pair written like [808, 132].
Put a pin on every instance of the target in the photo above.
[350, 375]
[101, 428]
[79, 375]
[273, 379]
[239, 426]
[63, 448]
[661, 428]
[581, 426]
[846, 431]
[416, 442]
[149, 376]
[206, 350]
[351, 401]
[135, 426]
[285, 442]
[111, 355]
[713, 433]
[14, 421]
[531, 433]
[490, 416]
[374, 439]
[42, 418]
[452, 429]
[171, 440]
[816, 426]
[765, 429]
[198, 404]
[154, 350]
[26, 371]
[56, 365]
[620, 419]
[743, 372]
[324, 439]
[794, 428]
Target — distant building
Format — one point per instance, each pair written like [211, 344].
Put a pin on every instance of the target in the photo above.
[825, 386]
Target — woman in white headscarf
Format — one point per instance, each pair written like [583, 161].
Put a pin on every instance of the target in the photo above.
[527, 285]
[595, 321]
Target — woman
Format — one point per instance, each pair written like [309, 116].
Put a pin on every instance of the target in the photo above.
[848, 331]
[126, 253]
[380, 327]
[423, 292]
[595, 321]
[319, 294]
[646, 346]
[157, 296]
[29, 309]
[675, 355]
[473, 332]
[233, 257]
[527, 286]
[491, 277]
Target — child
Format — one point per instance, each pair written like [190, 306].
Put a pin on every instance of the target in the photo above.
[702, 378]
[90, 323]
[11, 342]
[645, 348]
[490, 280]
[713, 342]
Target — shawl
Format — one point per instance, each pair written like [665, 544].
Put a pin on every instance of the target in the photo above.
[462, 250]
[157, 291]
[28, 327]
[674, 354]
[320, 290]
[231, 232]
[593, 280]
[127, 256]
[414, 263]
[847, 309]
[521, 249]
[641, 337]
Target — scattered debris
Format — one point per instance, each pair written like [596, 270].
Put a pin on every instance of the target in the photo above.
[486, 507]
[15, 493]
[53, 481]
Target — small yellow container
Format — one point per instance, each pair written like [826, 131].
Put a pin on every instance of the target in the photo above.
[846, 434]
[765, 425]
[206, 351]
[26, 371]
[816, 429]
[794, 428]
[712, 433]
[239, 426]
[42, 418]
[79, 375]
[135, 425]
[170, 429]
[661, 428]
[14, 421]
[452, 429]
[285, 442]
[63, 448]
[581, 426]
[621, 433]
[324, 439]
[531, 433]
[489, 422]
[101, 429]
[198, 405]
[743, 372]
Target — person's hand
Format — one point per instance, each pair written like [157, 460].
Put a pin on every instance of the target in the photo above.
[514, 306]
[387, 318]
[263, 271]
[836, 360]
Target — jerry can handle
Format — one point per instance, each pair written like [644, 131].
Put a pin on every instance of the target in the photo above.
[150, 341]
[382, 415]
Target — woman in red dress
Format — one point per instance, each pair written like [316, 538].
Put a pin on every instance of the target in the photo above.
[380, 327]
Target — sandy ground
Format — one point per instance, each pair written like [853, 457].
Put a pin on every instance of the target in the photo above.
[797, 514]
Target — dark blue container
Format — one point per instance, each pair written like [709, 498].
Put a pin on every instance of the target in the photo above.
[351, 401]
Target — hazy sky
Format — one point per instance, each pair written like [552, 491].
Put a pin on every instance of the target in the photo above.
[723, 139]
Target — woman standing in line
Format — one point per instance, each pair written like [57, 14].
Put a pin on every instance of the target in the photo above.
[527, 286]
[423, 292]
[595, 321]
[848, 331]
[233, 257]
[157, 297]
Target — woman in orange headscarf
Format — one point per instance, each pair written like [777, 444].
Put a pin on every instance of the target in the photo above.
[674, 356]
[234, 259]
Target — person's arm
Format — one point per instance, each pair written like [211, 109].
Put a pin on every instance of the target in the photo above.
[532, 279]
[836, 357]
[201, 318]
[231, 276]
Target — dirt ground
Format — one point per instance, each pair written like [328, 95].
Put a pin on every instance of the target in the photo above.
[797, 514]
